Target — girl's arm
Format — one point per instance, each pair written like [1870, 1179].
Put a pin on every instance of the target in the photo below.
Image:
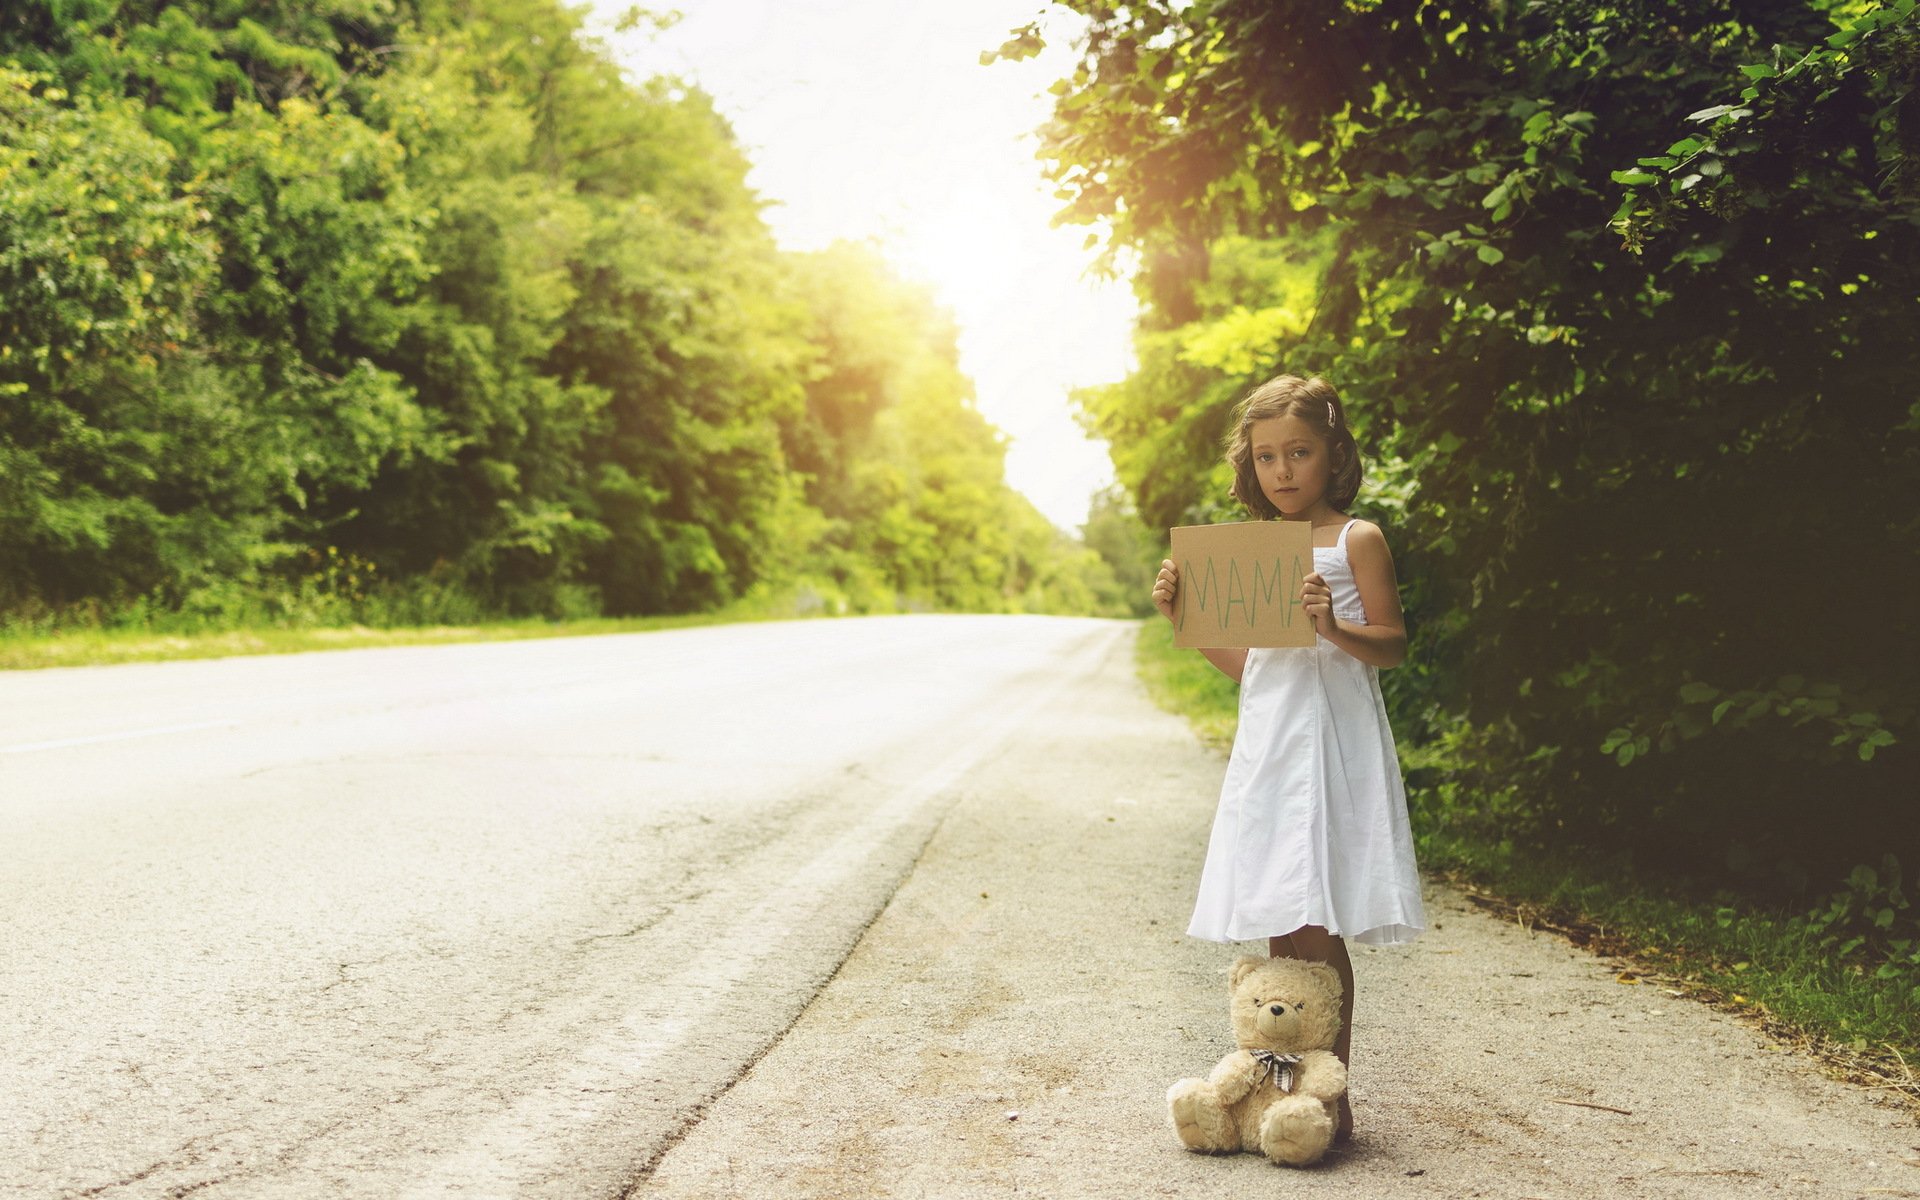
[1231, 663]
[1382, 641]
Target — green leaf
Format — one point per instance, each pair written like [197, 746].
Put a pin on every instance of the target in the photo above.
[1634, 178]
[1489, 254]
[1698, 693]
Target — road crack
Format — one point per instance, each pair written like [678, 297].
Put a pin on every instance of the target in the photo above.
[187, 1156]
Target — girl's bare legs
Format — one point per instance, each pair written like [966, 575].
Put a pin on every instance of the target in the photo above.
[1311, 943]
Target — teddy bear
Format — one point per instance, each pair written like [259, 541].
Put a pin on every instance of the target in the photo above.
[1279, 1091]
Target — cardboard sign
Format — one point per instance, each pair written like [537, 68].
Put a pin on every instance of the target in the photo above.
[1240, 584]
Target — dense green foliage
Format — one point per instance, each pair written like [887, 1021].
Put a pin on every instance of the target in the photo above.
[1114, 531]
[1623, 297]
[421, 310]
[905, 475]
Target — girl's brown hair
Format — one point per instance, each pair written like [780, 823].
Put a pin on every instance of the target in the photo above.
[1313, 401]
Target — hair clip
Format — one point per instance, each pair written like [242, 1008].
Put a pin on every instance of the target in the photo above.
[1330, 418]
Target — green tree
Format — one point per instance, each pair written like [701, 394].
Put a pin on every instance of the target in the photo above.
[906, 473]
[1596, 460]
[112, 477]
[264, 401]
[604, 335]
[907, 476]
[429, 293]
[1131, 551]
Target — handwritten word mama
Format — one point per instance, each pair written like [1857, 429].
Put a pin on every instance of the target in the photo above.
[1234, 597]
[1240, 584]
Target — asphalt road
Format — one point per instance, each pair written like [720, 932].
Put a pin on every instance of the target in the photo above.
[879, 908]
[492, 920]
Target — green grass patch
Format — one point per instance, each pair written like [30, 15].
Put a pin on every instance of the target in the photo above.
[99, 647]
[238, 621]
[1769, 965]
[1183, 682]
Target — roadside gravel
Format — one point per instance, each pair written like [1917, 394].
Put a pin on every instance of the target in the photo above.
[1010, 1023]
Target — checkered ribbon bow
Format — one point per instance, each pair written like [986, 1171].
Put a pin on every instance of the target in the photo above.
[1280, 1066]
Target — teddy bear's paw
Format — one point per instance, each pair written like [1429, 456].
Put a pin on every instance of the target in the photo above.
[1296, 1131]
[1198, 1120]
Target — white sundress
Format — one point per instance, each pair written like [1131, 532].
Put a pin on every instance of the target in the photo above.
[1312, 825]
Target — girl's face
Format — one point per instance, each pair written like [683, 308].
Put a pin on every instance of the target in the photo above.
[1292, 463]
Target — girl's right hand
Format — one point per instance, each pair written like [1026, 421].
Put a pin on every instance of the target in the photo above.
[1164, 586]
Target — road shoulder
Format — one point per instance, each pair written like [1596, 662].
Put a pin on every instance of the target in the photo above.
[1012, 1020]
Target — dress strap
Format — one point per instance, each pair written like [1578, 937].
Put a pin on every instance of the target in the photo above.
[1342, 543]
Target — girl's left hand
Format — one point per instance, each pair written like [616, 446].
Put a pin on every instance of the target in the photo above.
[1317, 598]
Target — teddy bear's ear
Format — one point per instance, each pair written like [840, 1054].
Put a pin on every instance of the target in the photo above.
[1242, 966]
[1326, 977]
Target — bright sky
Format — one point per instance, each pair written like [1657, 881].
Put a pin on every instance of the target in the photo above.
[873, 120]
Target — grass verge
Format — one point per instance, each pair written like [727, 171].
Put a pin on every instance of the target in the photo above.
[1183, 682]
[100, 647]
[1755, 964]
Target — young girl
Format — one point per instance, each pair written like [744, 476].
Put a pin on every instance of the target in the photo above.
[1310, 845]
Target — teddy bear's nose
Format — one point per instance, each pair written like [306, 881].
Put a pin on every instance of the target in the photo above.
[1278, 1010]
